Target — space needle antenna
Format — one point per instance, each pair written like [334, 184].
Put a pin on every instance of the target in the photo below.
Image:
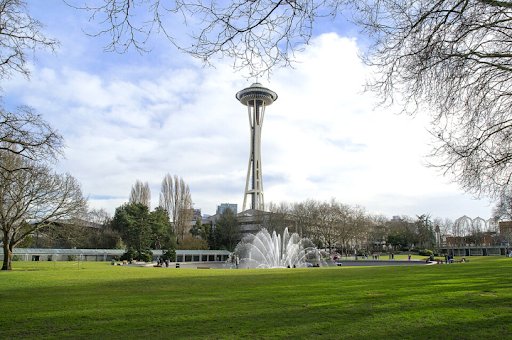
[256, 98]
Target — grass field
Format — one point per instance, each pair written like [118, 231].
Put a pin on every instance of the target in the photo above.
[96, 300]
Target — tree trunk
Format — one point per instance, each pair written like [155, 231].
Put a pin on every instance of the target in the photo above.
[7, 264]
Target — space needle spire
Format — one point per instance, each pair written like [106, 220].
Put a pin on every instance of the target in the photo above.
[256, 98]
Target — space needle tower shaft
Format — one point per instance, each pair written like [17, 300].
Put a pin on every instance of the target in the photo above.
[256, 98]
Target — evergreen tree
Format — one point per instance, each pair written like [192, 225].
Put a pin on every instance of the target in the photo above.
[133, 221]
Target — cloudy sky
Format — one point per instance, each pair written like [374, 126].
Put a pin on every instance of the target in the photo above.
[140, 116]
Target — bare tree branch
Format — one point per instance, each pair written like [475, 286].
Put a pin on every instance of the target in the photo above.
[26, 134]
[19, 34]
[451, 59]
[258, 35]
[31, 198]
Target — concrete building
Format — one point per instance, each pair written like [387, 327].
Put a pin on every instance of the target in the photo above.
[251, 221]
[47, 254]
[505, 227]
[224, 206]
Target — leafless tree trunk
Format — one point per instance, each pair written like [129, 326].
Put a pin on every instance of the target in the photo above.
[31, 198]
[141, 193]
[175, 198]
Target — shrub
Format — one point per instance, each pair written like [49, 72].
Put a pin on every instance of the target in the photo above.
[129, 255]
[426, 252]
[143, 255]
[169, 255]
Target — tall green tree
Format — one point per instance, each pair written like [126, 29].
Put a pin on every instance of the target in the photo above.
[425, 231]
[227, 232]
[402, 233]
[132, 220]
[200, 230]
[142, 230]
[162, 237]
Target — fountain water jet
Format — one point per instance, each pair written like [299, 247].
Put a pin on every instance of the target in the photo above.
[276, 251]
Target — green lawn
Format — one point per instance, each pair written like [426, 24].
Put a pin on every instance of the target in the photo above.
[97, 300]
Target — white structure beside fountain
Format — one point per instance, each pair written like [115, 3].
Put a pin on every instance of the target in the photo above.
[256, 98]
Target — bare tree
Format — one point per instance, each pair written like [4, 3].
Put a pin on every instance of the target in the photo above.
[98, 216]
[141, 193]
[503, 209]
[327, 223]
[279, 218]
[186, 213]
[31, 195]
[258, 34]
[361, 229]
[32, 198]
[303, 214]
[378, 233]
[453, 59]
[19, 35]
[333, 224]
[25, 133]
[349, 224]
[175, 198]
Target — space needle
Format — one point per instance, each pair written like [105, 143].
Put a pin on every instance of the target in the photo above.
[256, 98]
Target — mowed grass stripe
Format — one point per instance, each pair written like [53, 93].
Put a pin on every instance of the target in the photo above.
[97, 300]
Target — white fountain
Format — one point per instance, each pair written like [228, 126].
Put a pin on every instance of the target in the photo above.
[276, 251]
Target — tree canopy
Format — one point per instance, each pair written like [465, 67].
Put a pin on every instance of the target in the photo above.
[142, 230]
[226, 233]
